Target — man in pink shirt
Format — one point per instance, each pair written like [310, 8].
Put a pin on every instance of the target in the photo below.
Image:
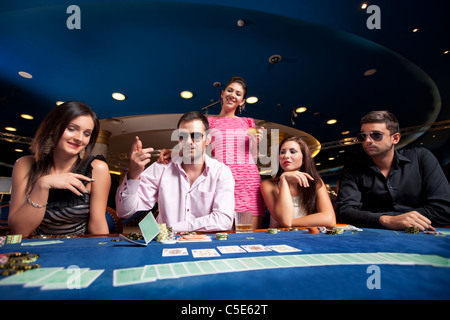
[194, 192]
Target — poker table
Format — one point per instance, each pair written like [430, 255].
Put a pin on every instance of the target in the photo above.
[327, 281]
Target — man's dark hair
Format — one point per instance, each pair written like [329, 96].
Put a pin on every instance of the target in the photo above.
[194, 115]
[382, 117]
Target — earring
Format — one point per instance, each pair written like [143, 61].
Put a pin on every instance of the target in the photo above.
[48, 145]
[81, 154]
[240, 109]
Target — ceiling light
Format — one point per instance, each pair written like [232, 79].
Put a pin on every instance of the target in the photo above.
[119, 96]
[25, 74]
[345, 132]
[18, 150]
[58, 103]
[415, 30]
[331, 121]
[10, 129]
[251, 100]
[300, 110]
[186, 94]
[445, 52]
[364, 6]
[27, 116]
[370, 72]
[330, 158]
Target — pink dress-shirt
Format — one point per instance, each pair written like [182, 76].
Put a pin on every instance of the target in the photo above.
[207, 205]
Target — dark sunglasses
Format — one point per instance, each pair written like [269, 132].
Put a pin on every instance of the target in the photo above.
[195, 136]
[374, 135]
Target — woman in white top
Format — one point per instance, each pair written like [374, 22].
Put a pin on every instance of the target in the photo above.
[297, 196]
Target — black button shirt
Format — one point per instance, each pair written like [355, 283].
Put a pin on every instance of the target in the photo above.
[415, 182]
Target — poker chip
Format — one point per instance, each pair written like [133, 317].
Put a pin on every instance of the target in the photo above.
[412, 230]
[135, 236]
[222, 236]
[335, 231]
[272, 230]
[3, 259]
[27, 258]
[322, 229]
[313, 230]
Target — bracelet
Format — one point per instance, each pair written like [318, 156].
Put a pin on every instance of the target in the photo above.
[34, 204]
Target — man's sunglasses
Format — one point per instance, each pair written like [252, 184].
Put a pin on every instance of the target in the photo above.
[374, 135]
[195, 136]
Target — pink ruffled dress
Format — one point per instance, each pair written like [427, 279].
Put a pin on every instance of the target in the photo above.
[232, 145]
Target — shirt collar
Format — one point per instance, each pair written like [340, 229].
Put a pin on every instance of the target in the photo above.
[177, 161]
[399, 157]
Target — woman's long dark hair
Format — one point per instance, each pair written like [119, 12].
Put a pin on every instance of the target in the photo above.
[309, 167]
[51, 130]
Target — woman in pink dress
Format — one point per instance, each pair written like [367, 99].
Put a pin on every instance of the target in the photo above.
[234, 143]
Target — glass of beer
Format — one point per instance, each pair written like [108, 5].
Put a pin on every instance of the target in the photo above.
[243, 222]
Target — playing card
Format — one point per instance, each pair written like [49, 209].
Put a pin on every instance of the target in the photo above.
[282, 248]
[175, 252]
[205, 253]
[255, 248]
[230, 249]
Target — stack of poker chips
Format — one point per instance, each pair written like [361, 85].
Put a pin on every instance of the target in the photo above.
[221, 236]
[163, 234]
[335, 231]
[272, 230]
[135, 236]
[412, 230]
[17, 262]
[171, 234]
[14, 238]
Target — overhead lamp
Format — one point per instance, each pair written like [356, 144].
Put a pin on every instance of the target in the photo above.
[300, 109]
[118, 96]
[186, 94]
[415, 30]
[331, 121]
[25, 74]
[252, 100]
[345, 132]
[18, 150]
[364, 6]
[370, 72]
[10, 129]
[27, 116]
[446, 52]
[58, 103]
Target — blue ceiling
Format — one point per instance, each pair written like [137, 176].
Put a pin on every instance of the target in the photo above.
[153, 50]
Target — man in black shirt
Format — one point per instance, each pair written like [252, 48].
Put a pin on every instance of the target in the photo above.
[389, 188]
